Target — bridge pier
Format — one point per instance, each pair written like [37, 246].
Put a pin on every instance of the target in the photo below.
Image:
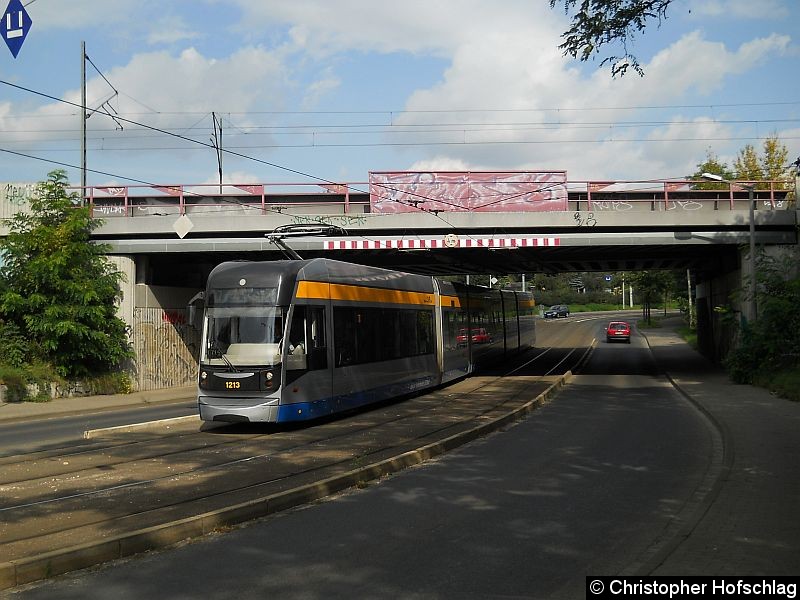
[165, 344]
[723, 305]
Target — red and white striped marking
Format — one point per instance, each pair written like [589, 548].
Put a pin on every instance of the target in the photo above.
[432, 243]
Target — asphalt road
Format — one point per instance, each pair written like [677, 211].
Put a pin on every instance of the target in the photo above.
[586, 485]
[46, 434]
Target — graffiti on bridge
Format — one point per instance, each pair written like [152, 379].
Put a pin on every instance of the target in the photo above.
[340, 221]
[581, 221]
[611, 205]
[683, 205]
[20, 195]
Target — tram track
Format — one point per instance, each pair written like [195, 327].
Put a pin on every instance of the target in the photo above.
[48, 504]
[55, 461]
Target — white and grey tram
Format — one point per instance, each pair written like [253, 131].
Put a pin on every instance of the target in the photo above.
[293, 340]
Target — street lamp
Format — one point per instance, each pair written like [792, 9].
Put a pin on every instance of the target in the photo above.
[749, 187]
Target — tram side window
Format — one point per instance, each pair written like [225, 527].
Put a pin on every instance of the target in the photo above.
[307, 336]
[452, 323]
[344, 336]
[424, 332]
[364, 335]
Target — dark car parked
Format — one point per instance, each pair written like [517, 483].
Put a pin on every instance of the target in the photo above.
[556, 311]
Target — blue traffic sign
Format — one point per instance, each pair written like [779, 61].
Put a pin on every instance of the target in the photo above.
[608, 277]
[15, 26]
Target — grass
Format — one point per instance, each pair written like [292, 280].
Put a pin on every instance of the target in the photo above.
[784, 383]
[594, 307]
[688, 334]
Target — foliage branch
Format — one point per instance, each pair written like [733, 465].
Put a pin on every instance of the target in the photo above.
[596, 23]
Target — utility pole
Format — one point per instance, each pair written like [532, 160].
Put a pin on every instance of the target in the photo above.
[83, 122]
[217, 141]
[689, 296]
[623, 291]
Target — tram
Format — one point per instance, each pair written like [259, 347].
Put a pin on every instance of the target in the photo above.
[293, 340]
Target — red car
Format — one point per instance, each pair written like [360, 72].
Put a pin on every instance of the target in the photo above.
[479, 336]
[618, 330]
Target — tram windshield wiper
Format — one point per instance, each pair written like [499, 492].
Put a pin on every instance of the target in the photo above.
[214, 351]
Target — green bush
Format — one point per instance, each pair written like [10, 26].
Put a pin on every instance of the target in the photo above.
[110, 383]
[771, 343]
[31, 383]
[14, 380]
[14, 348]
[18, 379]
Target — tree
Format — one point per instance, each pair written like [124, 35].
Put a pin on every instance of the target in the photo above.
[747, 165]
[775, 159]
[600, 22]
[58, 289]
[771, 165]
[652, 286]
[712, 165]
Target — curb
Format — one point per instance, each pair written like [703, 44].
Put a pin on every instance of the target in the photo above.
[50, 564]
[47, 410]
[146, 426]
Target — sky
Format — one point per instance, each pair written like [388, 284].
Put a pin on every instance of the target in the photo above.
[310, 91]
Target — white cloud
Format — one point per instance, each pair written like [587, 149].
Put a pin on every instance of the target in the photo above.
[78, 14]
[502, 67]
[744, 9]
[439, 163]
[520, 70]
[182, 90]
[414, 26]
[320, 88]
[192, 83]
[169, 31]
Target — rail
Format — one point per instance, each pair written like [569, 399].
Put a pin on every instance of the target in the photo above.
[355, 197]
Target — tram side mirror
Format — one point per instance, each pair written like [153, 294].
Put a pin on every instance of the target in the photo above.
[195, 309]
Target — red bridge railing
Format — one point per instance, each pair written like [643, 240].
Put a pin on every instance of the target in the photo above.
[355, 198]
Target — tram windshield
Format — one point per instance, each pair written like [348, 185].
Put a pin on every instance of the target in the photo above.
[243, 335]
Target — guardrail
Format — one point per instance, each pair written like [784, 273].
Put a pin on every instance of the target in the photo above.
[354, 197]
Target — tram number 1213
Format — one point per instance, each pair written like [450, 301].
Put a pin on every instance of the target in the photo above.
[233, 385]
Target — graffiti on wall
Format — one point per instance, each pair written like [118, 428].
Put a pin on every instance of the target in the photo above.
[15, 197]
[515, 191]
[613, 205]
[166, 348]
[341, 221]
[683, 205]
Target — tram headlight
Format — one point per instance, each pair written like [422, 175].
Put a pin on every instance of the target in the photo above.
[268, 379]
[203, 378]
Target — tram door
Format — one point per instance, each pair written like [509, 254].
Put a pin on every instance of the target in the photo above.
[307, 371]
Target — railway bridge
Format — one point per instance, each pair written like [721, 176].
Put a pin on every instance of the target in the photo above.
[167, 238]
